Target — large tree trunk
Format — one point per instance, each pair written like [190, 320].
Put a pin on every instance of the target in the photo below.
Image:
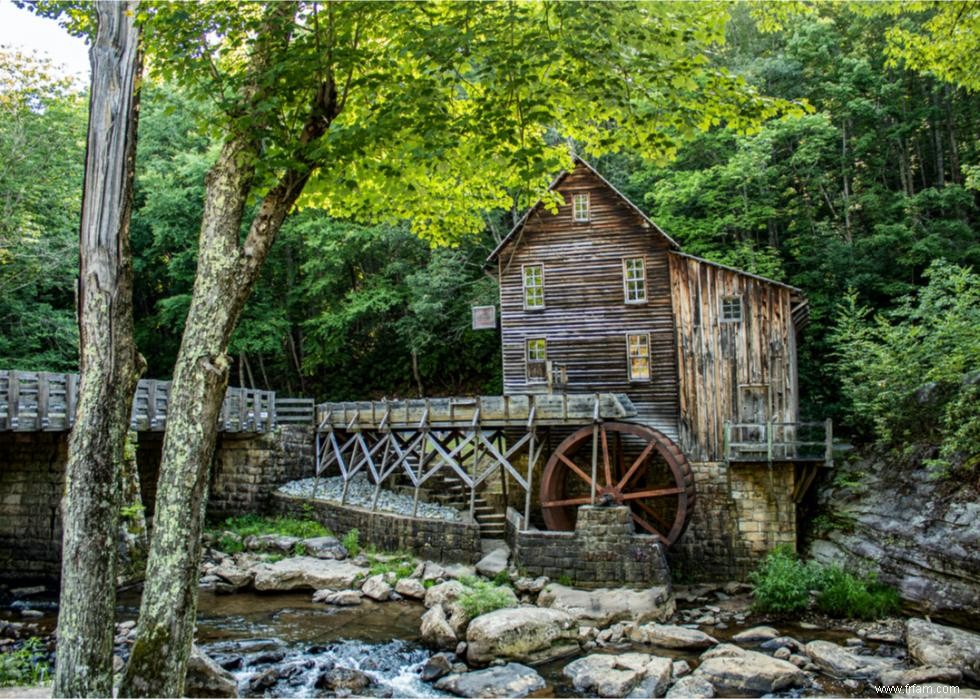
[110, 365]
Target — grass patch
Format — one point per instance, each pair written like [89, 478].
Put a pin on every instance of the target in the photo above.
[254, 525]
[26, 666]
[483, 596]
[784, 583]
[400, 563]
[352, 542]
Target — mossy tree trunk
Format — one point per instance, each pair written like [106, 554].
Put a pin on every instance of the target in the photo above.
[110, 366]
[226, 272]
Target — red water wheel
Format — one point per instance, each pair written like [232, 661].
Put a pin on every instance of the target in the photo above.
[635, 465]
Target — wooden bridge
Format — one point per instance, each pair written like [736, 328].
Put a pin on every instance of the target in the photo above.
[45, 402]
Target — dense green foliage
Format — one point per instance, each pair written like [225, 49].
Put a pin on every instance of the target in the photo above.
[25, 666]
[230, 533]
[862, 192]
[481, 596]
[912, 374]
[784, 584]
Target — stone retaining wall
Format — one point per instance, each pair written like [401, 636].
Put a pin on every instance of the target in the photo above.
[32, 470]
[603, 551]
[432, 539]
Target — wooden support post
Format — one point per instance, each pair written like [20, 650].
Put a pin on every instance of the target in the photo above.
[151, 405]
[242, 407]
[13, 400]
[595, 447]
[71, 399]
[531, 458]
[424, 428]
[43, 390]
[767, 426]
[726, 441]
[828, 454]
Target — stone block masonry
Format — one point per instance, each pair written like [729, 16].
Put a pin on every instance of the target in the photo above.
[432, 539]
[603, 551]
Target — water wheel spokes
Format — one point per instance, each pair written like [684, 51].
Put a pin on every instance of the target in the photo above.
[657, 485]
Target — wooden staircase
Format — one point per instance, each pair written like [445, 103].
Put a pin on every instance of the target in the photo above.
[447, 489]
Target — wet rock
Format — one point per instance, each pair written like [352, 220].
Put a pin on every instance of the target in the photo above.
[935, 644]
[841, 662]
[526, 634]
[493, 563]
[436, 631]
[271, 542]
[265, 657]
[923, 674]
[433, 571]
[443, 593]
[263, 681]
[723, 650]
[782, 642]
[339, 598]
[233, 575]
[668, 636]
[461, 649]
[783, 653]
[750, 673]
[27, 591]
[757, 634]
[305, 572]
[510, 680]
[799, 660]
[618, 675]
[530, 586]
[606, 606]
[691, 687]
[31, 613]
[680, 669]
[376, 588]
[411, 588]
[343, 678]
[435, 667]
[205, 678]
[325, 547]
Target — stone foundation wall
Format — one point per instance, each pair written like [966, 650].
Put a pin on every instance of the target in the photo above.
[433, 539]
[32, 469]
[603, 551]
[742, 512]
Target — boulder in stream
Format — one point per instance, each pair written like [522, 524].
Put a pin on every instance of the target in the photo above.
[749, 674]
[757, 634]
[526, 634]
[325, 547]
[411, 588]
[205, 678]
[669, 636]
[603, 607]
[436, 631]
[843, 663]
[339, 598]
[510, 680]
[305, 572]
[935, 644]
[376, 588]
[691, 687]
[618, 675]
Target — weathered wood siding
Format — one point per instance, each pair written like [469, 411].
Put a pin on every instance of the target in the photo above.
[585, 320]
[719, 363]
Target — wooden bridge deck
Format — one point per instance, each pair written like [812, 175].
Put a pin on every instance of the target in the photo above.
[44, 401]
[483, 411]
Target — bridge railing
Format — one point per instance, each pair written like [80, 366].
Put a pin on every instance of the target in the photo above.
[770, 442]
[33, 401]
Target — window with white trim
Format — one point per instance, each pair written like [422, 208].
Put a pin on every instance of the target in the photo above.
[638, 350]
[634, 280]
[533, 286]
[731, 309]
[580, 207]
[536, 353]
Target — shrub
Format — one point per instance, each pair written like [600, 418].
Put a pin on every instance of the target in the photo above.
[402, 565]
[27, 665]
[352, 542]
[254, 525]
[845, 595]
[783, 582]
[230, 543]
[482, 596]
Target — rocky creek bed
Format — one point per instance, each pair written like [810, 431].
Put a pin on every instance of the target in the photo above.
[323, 625]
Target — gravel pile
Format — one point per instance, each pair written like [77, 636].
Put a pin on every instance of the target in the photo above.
[360, 493]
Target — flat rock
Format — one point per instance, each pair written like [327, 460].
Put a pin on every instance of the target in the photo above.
[603, 607]
[526, 634]
[205, 678]
[339, 598]
[935, 644]
[844, 663]
[443, 593]
[618, 675]
[411, 588]
[233, 574]
[924, 674]
[493, 563]
[432, 571]
[305, 572]
[669, 636]
[376, 588]
[325, 547]
[723, 650]
[749, 674]
[271, 542]
[435, 667]
[692, 687]
[435, 630]
[510, 680]
[757, 634]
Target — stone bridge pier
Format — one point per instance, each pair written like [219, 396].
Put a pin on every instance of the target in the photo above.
[247, 468]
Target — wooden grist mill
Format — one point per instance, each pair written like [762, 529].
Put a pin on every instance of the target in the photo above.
[634, 374]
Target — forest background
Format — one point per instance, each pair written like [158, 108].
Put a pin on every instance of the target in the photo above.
[868, 202]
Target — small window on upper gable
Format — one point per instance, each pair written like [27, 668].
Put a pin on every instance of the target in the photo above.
[580, 207]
